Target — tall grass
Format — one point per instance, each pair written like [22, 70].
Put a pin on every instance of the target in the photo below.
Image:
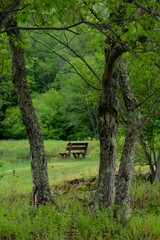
[75, 221]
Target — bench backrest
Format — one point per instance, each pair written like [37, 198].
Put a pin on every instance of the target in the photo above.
[74, 146]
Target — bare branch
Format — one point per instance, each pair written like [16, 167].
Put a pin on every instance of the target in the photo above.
[60, 56]
[151, 111]
[151, 95]
[77, 55]
[44, 28]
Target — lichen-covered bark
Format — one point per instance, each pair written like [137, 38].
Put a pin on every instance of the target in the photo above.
[107, 129]
[108, 114]
[133, 125]
[41, 191]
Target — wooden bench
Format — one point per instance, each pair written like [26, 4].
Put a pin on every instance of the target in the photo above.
[78, 149]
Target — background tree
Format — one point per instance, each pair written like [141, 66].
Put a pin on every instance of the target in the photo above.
[147, 92]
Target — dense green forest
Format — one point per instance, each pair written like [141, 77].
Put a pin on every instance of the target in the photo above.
[84, 70]
[65, 92]
[65, 105]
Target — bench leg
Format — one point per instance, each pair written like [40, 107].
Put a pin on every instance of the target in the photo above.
[65, 155]
[77, 155]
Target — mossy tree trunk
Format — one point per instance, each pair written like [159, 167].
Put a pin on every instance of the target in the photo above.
[108, 123]
[41, 190]
[133, 125]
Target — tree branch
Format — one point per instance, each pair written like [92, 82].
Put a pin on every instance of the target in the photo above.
[78, 73]
[43, 28]
[77, 55]
[150, 111]
[151, 95]
[154, 14]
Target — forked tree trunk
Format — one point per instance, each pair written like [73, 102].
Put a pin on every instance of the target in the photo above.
[108, 122]
[133, 125]
[41, 190]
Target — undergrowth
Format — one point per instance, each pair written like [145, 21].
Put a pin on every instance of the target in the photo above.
[74, 220]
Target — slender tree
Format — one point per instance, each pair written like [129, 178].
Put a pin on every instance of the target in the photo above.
[133, 126]
[41, 190]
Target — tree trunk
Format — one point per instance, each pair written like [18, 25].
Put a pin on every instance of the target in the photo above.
[108, 122]
[148, 154]
[41, 190]
[133, 124]
[157, 176]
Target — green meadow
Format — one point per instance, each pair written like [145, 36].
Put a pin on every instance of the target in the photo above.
[74, 218]
[15, 164]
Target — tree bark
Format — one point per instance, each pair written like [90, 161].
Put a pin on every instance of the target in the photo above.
[108, 122]
[8, 12]
[133, 125]
[41, 190]
[157, 176]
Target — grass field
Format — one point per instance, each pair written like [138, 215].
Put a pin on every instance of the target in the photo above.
[19, 174]
[73, 220]
[15, 165]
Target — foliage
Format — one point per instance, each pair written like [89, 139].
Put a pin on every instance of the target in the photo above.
[13, 125]
[51, 56]
[59, 119]
[7, 97]
[41, 63]
[51, 117]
